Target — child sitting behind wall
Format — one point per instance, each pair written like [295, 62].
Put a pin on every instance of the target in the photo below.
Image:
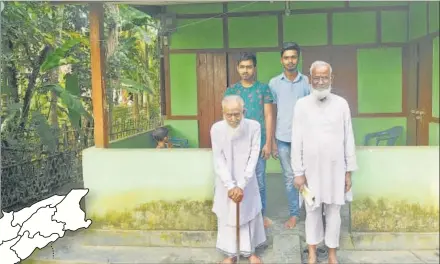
[160, 135]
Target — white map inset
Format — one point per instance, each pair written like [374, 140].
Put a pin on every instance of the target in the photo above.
[40, 224]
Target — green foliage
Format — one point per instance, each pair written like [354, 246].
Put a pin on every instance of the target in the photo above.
[72, 87]
[135, 87]
[71, 101]
[28, 27]
[44, 131]
[59, 56]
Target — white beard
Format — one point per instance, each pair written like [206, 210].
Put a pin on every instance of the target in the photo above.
[234, 132]
[321, 94]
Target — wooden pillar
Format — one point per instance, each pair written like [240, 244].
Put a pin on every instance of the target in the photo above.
[96, 18]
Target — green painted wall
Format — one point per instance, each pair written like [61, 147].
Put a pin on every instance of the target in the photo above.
[316, 4]
[417, 19]
[195, 8]
[376, 3]
[243, 31]
[185, 129]
[413, 207]
[187, 35]
[354, 28]
[379, 80]
[269, 65]
[183, 84]
[394, 26]
[433, 16]
[314, 34]
[148, 189]
[255, 6]
[379, 69]
[434, 134]
[363, 126]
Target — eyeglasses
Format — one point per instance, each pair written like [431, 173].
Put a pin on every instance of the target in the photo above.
[234, 114]
[319, 78]
[230, 115]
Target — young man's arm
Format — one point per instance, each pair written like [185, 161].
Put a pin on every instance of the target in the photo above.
[268, 120]
[274, 120]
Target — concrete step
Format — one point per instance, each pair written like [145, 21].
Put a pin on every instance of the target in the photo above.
[104, 254]
[281, 248]
[140, 238]
[120, 254]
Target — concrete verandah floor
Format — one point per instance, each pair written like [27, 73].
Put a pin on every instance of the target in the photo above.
[284, 246]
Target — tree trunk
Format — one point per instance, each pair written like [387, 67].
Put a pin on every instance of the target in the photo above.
[136, 106]
[31, 85]
[141, 101]
[112, 44]
[54, 74]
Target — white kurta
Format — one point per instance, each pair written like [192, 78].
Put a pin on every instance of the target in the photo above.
[323, 147]
[235, 159]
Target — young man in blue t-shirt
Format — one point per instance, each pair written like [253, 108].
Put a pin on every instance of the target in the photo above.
[286, 89]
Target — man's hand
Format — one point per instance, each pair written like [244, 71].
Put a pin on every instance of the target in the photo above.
[299, 182]
[236, 194]
[275, 151]
[265, 152]
[347, 181]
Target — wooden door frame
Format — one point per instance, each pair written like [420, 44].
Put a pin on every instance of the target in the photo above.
[424, 102]
[411, 86]
[210, 89]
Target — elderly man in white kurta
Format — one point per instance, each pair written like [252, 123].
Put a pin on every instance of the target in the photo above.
[323, 157]
[235, 147]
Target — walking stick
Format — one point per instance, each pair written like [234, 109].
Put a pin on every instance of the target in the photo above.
[237, 229]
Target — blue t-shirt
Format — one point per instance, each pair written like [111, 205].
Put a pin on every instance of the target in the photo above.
[286, 93]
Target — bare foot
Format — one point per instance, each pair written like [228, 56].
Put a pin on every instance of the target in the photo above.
[267, 222]
[312, 257]
[332, 259]
[291, 223]
[255, 260]
[228, 261]
[311, 260]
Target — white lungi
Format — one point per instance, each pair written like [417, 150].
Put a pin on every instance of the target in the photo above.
[315, 227]
[252, 236]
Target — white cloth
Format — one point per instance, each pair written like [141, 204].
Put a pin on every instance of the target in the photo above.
[235, 160]
[315, 228]
[323, 147]
[235, 154]
[252, 236]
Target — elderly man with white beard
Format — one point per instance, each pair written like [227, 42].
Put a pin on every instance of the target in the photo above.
[236, 148]
[323, 158]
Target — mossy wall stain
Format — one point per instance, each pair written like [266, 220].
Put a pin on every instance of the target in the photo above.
[386, 215]
[161, 215]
